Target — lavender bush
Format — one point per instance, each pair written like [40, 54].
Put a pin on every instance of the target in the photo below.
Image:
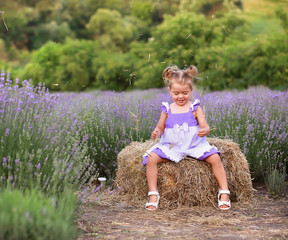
[41, 145]
[257, 119]
[112, 121]
[49, 141]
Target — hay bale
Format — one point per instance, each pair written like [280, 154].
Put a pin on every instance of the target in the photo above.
[187, 183]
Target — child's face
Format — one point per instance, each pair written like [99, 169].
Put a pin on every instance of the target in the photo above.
[180, 94]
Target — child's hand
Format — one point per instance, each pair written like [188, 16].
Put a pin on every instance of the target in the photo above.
[203, 132]
[156, 133]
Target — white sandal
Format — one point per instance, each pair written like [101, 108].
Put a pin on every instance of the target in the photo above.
[222, 203]
[154, 204]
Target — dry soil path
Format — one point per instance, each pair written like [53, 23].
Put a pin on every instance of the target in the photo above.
[264, 218]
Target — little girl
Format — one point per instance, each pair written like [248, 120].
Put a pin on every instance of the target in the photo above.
[183, 130]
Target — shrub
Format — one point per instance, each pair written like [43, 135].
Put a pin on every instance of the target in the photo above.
[33, 216]
[75, 64]
[40, 142]
[188, 33]
[44, 65]
[257, 120]
[111, 29]
[113, 121]
[113, 71]
[276, 182]
[63, 67]
[241, 65]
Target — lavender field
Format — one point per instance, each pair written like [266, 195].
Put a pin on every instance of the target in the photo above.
[55, 141]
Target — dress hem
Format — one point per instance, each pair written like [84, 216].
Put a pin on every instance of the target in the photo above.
[161, 153]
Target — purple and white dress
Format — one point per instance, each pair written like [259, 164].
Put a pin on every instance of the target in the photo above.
[180, 137]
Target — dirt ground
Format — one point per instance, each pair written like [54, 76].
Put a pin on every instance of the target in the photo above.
[265, 217]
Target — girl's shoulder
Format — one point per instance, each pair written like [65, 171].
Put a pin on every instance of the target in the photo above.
[165, 106]
[195, 104]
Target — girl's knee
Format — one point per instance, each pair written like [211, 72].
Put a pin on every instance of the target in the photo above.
[214, 159]
[152, 159]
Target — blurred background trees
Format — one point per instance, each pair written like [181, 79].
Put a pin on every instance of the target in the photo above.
[75, 45]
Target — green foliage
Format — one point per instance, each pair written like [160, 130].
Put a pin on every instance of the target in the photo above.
[188, 33]
[10, 68]
[3, 53]
[77, 65]
[122, 6]
[75, 13]
[248, 64]
[169, 32]
[210, 7]
[34, 216]
[205, 7]
[276, 182]
[43, 65]
[111, 29]
[63, 67]
[162, 8]
[74, 71]
[283, 17]
[16, 19]
[53, 31]
[143, 11]
[264, 26]
[113, 71]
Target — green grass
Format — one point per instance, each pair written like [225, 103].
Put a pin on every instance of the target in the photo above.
[261, 16]
[265, 26]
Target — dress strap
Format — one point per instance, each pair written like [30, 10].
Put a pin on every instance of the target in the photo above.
[194, 105]
[165, 107]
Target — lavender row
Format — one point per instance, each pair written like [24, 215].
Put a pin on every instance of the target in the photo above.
[257, 119]
[50, 141]
[41, 145]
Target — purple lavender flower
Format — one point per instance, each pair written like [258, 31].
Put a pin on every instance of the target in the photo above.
[7, 132]
[38, 166]
[98, 188]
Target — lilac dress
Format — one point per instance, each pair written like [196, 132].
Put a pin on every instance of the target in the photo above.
[180, 137]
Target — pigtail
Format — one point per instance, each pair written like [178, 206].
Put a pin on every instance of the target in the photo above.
[168, 73]
[191, 71]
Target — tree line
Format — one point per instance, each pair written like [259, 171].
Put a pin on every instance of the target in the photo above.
[72, 45]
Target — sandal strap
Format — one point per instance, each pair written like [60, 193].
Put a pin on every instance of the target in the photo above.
[154, 204]
[153, 193]
[221, 203]
[224, 192]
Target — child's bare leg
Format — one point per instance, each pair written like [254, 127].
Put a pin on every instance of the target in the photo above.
[220, 175]
[152, 174]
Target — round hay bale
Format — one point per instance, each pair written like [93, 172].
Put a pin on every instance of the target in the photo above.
[188, 183]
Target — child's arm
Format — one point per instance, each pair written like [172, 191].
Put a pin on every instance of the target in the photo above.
[204, 127]
[158, 131]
